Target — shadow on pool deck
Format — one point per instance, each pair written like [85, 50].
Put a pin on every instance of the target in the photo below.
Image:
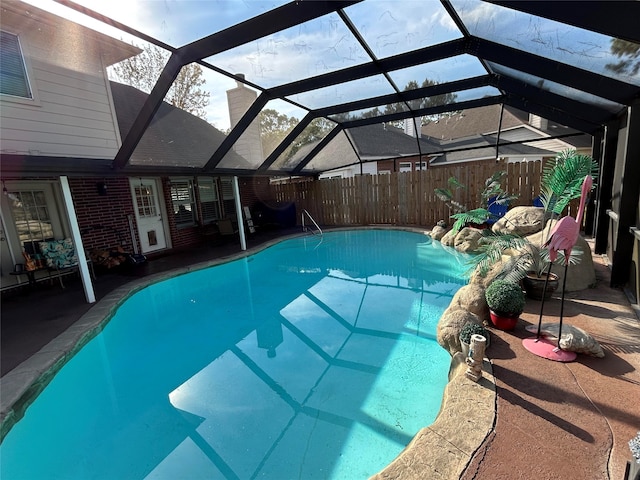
[554, 420]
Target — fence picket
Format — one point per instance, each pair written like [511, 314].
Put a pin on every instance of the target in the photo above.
[405, 198]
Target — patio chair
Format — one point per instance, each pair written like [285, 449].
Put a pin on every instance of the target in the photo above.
[60, 257]
[225, 226]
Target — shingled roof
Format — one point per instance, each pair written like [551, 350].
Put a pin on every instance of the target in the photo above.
[174, 137]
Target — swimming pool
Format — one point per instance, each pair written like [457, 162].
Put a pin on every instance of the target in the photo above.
[314, 358]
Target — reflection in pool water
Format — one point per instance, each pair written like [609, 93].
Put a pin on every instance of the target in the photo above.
[311, 359]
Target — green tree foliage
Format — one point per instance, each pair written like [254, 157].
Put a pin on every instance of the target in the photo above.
[420, 103]
[274, 126]
[314, 132]
[629, 55]
[143, 71]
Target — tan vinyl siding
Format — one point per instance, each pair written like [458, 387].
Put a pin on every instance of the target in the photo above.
[71, 114]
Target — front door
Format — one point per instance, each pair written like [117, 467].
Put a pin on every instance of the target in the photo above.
[148, 214]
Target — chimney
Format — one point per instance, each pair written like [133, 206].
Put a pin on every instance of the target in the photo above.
[538, 122]
[412, 127]
[239, 99]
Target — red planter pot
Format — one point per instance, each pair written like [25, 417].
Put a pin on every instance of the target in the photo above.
[503, 321]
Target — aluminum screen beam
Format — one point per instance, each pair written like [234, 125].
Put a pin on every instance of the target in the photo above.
[585, 111]
[282, 146]
[617, 19]
[562, 73]
[403, 60]
[149, 109]
[273, 21]
[551, 113]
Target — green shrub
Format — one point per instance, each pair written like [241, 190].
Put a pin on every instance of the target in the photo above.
[505, 297]
[471, 328]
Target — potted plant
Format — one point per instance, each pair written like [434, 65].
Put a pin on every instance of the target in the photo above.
[505, 300]
[469, 329]
[528, 261]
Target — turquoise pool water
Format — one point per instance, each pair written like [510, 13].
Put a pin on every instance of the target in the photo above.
[314, 358]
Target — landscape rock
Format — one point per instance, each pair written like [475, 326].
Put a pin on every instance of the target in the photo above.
[471, 298]
[449, 326]
[520, 221]
[468, 240]
[448, 239]
[573, 339]
[438, 232]
[579, 276]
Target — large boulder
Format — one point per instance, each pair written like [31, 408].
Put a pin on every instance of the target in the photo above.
[468, 240]
[520, 221]
[449, 326]
[471, 298]
[574, 339]
[449, 238]
[438, 232]
[579, 276]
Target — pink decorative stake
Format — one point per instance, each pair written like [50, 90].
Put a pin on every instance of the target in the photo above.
[564, 236]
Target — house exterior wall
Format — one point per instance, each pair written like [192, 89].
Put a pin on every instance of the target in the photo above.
[368, 168]
[71, 114]
[103, 219]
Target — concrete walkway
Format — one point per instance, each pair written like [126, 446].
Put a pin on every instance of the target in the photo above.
[566, 420]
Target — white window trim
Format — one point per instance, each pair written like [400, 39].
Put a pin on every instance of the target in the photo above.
[34, 100]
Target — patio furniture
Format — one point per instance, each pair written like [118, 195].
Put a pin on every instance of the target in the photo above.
[60, 257]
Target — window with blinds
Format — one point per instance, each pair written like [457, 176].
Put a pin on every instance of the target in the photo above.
[13, 74]
[183, 202]
[209, 200]
[227, 196]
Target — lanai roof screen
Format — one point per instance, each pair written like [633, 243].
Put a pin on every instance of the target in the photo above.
[318, 68]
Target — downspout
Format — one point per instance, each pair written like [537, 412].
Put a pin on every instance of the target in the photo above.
[77, 240]
[236, 197]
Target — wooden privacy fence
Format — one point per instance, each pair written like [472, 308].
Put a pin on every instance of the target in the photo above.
[405, 198]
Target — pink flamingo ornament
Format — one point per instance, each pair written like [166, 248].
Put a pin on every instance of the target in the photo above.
[563, 237]
[565, 233]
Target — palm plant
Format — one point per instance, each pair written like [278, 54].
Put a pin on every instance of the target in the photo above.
[492, 194]
[560, 183]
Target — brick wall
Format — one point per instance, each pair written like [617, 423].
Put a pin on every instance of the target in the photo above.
[103, 219]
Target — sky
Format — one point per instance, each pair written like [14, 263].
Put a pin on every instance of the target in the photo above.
[326, 45]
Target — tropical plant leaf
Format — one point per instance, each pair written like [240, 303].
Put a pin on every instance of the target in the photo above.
[477, 215]
[454, 183]
[562, 179]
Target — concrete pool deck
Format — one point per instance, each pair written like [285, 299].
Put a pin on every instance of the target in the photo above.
[551, 420]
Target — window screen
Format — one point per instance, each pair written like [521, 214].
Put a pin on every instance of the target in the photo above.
[227, 196]
[209, 200]
[183, 202]
[13, 75]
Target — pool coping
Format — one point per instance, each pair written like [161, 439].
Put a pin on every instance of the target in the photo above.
[443, 449]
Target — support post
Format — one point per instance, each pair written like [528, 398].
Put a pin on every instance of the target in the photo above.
[236, 197]
[77, 241]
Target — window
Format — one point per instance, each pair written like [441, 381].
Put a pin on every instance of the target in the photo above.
[405, 166]
[421, 165]
[183, 202]
[209, 201]
[31, 216]
[13, 74]
[227, 196]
